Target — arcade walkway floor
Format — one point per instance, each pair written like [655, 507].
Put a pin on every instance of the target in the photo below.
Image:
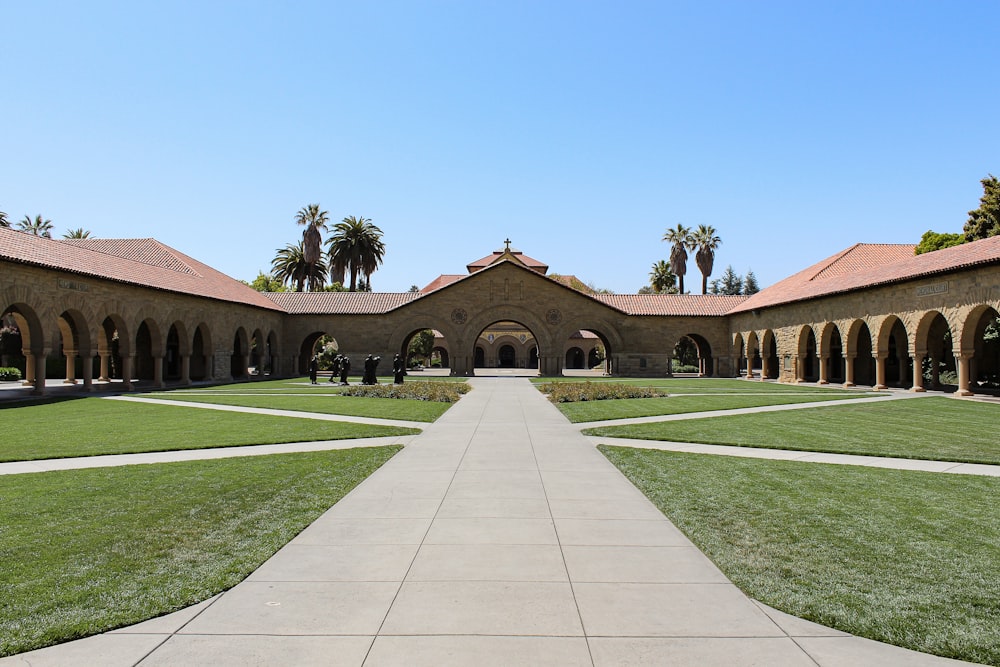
[499, 536]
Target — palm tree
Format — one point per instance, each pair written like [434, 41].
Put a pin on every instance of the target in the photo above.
[38, 226]
[661, 280]
[4, 222]
[681, 241]
[355, 246]
[312, 240]
[707, 242]
[79, 233]
[289, 266]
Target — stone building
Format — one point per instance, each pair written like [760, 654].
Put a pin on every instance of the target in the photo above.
[137, 311]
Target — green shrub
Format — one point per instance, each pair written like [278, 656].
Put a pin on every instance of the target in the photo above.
[685, 369]
[439, 392]
[571, 392]
[9, 374]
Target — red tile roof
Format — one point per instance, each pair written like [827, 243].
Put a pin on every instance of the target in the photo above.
[862, 266]
[142, 262]
[529, 262]
[341, 303]
[441, 281]
[672, 304]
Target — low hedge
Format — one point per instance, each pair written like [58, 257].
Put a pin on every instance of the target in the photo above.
[9, 374]
[439, 392]
[572, 392]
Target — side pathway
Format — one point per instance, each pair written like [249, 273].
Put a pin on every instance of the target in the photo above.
[499, 536]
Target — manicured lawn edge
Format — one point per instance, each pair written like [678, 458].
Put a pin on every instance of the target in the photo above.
[908, 558]
[87, 551]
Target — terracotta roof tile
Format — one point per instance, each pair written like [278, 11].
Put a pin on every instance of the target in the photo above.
[341, 303]
[672, 304]
[143, 262]
[443, 280]
[846, 272]
[530, 262]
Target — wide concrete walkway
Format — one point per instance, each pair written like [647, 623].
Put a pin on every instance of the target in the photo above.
[499, 536]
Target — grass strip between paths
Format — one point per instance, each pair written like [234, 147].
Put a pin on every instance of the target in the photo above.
[86, 551]
[588, 411]
[701, 385]
[934, 428]
[908, 558]
[331, 404]
[95, 426]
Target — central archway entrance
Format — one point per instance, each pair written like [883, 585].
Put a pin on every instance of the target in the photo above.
[506, 346]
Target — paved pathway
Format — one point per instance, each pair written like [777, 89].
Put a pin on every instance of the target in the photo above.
[499, 536]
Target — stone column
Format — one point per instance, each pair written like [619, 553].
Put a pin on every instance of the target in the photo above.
[800, 368]
[749, 365]
[88, 372]
[918, 373]
[29, 368]
[963, 361]
[848, 371]
[880, 372]
[158, 371]
[127, 372]
[70, 367]
[822, 361]
[765, 367]
[105, 367]
[670, 365]
[39, 385]
[185, 369]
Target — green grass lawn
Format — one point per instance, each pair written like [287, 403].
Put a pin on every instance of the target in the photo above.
[328, 402]
[702, 385]
[90, 426]
[86, 551]
[908, 558]
[301, 384]
[587, 411]
[934, 428]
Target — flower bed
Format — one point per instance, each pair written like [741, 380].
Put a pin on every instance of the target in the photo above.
[571, 392]
[441, 392]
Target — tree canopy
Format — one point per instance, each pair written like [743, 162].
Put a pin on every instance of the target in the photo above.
[984, 221]
[680, 241]
[932, 241]
[355, 246]
[707, 242]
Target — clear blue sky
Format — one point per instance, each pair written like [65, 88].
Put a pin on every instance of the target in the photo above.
[581, 130]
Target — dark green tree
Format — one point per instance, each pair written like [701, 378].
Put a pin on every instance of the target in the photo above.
[4, 222]
[730, 283]
[985, 220]
[78, 233]
[750, 286]
[265, 282]
[290, 267]
[680, 241]
[932, 241]
[420, 347]
[312, 241]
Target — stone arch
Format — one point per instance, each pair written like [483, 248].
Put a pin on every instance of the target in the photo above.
[549, 354]
[831, 344]
[768, 355]
[738, 351]
[201, 353]
[934, 347]
[271, 357]
[752, 350]
[177, 349]
[575, 358]
[860, 365]
[239, 359]
[807, 358]
[148, 352]
[980, 349]
[444, 335]
[258, 353]
[703, 351]
[74, 342]
[30, 356]
[892, 353]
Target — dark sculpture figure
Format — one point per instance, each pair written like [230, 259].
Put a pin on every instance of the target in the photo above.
[335, 370]
[313, 368]
[398, 370]
[345, 368]
[371, 364]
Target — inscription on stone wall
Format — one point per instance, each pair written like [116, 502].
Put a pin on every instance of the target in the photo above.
[73, 285]
[929, 290]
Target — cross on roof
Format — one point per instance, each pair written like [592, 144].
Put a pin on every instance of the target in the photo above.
[507, 244]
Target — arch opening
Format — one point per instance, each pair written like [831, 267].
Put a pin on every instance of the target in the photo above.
[505, 345]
